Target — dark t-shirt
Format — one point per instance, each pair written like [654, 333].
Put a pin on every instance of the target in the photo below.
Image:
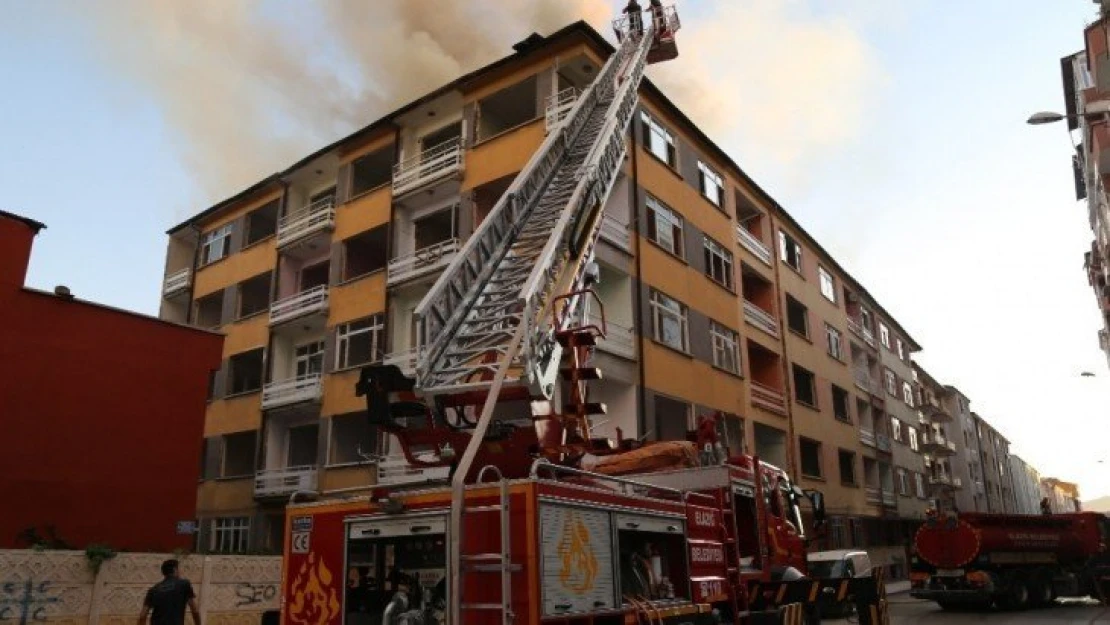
[167, 600]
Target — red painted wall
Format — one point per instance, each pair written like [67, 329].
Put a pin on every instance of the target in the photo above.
[101, 415]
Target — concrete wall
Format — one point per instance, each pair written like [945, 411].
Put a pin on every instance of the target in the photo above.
[61, 587]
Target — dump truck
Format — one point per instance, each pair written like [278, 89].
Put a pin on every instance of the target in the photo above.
[1011, 561]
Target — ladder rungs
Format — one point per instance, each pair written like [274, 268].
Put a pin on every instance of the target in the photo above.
[491, 568]
[481, 606]
[482, 557]
[489, 508]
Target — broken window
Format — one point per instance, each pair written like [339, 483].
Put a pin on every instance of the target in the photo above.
[245, 372]
[351, 436]
[210, 310]
[797, 316]
[789, 251]
[372, 171]
[238, 454]
[364, 253]
[507, 109]
[435, 228]
[262, 223]
[254, 295]
[672, 419]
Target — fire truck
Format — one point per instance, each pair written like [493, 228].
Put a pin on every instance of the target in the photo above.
[509, 508]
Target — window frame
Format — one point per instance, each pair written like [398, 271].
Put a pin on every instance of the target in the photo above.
[343, 335]
[819, 447]
[805, 316]
[847, 417]
[654, 131]
[784, 240]
[715, 251]
[913, 437]
[708, 175]
[794, 369]
[890, 381]
[826, 279]
[901, 348]
[725, 340]
[884, 335]
[658, 212]
[208, 240]
[658, 301]
[907, 394]
[840, 453]
[235, 531]
[903, 481]
[896, 429]
[833, 336]
[919, 482]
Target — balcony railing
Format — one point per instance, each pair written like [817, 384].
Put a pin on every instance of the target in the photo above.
[940, 480]
[957, 482]
[752, 244]
[312, 301]
[286, 392]
[432, 164]
[616, 233]
[868, 337]
[284, 482]
[558, 106]
[867, 437]
[404, 359]
[395, 470]
[177, 282]
[619, 339]
[874, 495]
[422, 261]
[933, 409]
[760, 318]
[863, 379]
[936, 445]
[768, 398]
[882, 441]
[316, 217]
[889, 499]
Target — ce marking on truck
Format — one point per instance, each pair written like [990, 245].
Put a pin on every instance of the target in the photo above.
[301, 542]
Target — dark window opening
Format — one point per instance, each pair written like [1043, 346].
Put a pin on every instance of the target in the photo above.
[797, 316]
[438, 137]
[303, 445]
[254, 295]
[435, 228]
[671, 419]
[841, 404]
[847, 467]
[262, 223]
[372, 171]
[804, 390]
[507, 108]
[352, 436]
[364, 253]
[789, 251]
[315, 275]
[238, 454]
[210, 310]
[811, 457]
[245, 372]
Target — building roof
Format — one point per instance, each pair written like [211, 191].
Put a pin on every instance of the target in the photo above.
[122, 311]
[30, 223]
[531, 44]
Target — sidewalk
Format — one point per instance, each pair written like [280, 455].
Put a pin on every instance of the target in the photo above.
[897, 588]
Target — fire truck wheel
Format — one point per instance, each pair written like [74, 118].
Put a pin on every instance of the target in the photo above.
[1016, 596]
[1041, 591]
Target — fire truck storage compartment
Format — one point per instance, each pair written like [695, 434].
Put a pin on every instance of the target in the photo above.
[381, 553]
[652, 550]
[577, 559]
[747, 525]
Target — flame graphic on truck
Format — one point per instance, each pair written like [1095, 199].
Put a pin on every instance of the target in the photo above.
[314, 598]
[579, 565]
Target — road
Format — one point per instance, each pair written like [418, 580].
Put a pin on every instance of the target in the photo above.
[908, 611]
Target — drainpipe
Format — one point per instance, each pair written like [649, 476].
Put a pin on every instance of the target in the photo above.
[638, 292]
[791, 456]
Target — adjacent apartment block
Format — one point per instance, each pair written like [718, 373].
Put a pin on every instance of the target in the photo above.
[103, 414]
[1062, 496]
[716, 301]
[1027, 486]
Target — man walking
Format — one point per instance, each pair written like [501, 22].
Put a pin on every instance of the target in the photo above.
[167, 599]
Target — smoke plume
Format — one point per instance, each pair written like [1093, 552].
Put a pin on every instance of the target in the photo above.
[249, 86]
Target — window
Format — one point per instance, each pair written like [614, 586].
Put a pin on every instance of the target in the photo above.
[907, 394]
[434, 229]
[726, 354]
[712, 185]
[828, 285]
[884, 335]
[254, 295]
[668, 321]
[896, 429]
[804, 390]
[913, 437]
[841, 401]
[508, 108]
[672, 418]
[901, 350]
[210, 310]
[847, 467]
[664, 226]
[215, 245]
[797, 316]
[262, 223]
[789, 251]
[891, 382]
[658, 141]
[903, 482]
[245, 372]
[811, 457]
[919, 482]
[351, 435]
[231, 534]
[364, 253]
[308, 359]
[238, 460]
[718, 263]
[833, 336]
[359, 342]
[371, 171]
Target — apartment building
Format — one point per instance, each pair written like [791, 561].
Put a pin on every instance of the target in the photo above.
[965, 464]
[715, 301]
[942, 440]
[1062, 496]
[1027, 486]
[994, 459]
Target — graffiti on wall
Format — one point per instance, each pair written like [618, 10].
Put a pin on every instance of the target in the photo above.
[26, 601]
[250, 594]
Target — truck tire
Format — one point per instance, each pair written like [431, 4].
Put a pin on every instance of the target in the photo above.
[1042, 593]
[1016, 596]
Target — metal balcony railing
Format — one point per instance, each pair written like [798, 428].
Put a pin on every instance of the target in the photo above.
[768, 398]
[889, 499]
[863, 379]
[405, 360]
[868, 337]
[882, 441]
[755, 246]
[616, 233]
[619, 339]
[430, 165]
[760, 318]
[316, 217]
[873, 494]
[423, 261]
[558, 106]
[285, 481]
[867, 436]
[286, 392]
[177, 281]
[937, 480]
[312, 301]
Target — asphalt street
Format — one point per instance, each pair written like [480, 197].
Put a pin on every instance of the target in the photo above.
[906, 610]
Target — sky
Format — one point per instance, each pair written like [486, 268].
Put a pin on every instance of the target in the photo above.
[893, 130]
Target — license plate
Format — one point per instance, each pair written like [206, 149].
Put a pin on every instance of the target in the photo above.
[950, 572]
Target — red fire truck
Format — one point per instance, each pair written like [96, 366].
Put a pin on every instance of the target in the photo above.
[509, 507]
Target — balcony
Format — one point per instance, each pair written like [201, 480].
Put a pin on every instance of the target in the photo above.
[311, 302]
[616, 233]
[423, 261]
[405, 360]
[177, 283]
[867, 437]
[873, 494]
[933, 410]
[882, 442]
[435, 163]
[877, 389]
[767, 398]
[755, 246]
[284, 482]
[940, 480]
[558, 106]
[303, 389]
[861, 331]
[317, 217]
[889, 499]
[620, 340]
[936, 445]
[863, 379]
[756, 316]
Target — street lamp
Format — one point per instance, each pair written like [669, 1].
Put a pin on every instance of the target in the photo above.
[1102, 107]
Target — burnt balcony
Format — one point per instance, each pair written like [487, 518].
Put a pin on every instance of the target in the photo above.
[177, 283]
[317, 218]
[749, 242]
[436, 163]
[767, 398]
[285, 481]
[306, 388]
[422, 262]
[761, 319]
[312, 301]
